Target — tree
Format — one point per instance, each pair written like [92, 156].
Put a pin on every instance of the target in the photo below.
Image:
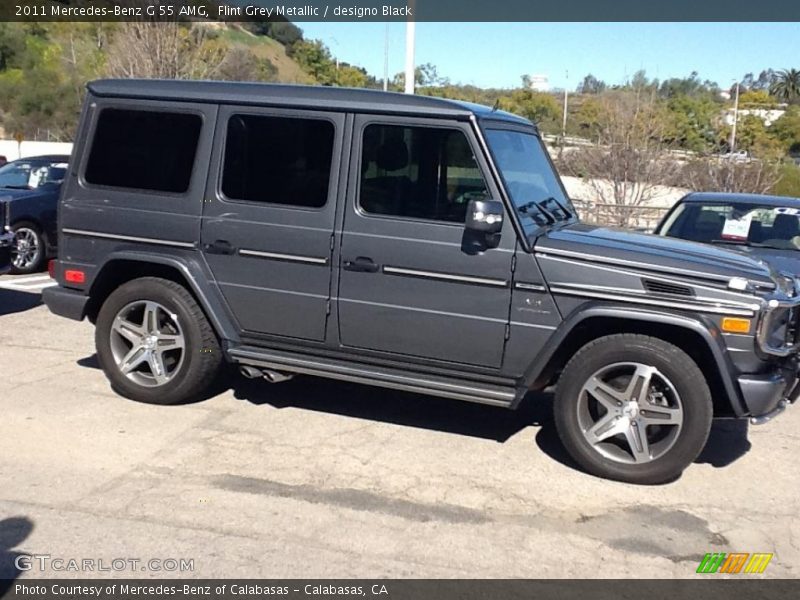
[692, 122]
[241, 64]
[786, 86]
[540, 107]
[316, 60]
[164, 50]
[714, 174]
[591, 85]
[631, 160]
[787, 130]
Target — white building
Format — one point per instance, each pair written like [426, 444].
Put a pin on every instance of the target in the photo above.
[539, 83]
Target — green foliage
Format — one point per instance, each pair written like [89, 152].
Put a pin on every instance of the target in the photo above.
[315, 59]
[789, 182]
[786, 85]
[540, 107]
[787, 130]
[692, 122]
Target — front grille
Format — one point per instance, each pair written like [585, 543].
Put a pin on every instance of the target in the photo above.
[661, 287]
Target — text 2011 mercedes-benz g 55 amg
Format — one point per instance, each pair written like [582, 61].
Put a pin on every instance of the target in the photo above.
[408, 242]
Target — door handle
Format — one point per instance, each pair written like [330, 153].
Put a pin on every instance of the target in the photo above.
[362, 264]
[220, 247]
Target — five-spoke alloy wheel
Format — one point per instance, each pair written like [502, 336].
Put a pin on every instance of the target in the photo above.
[154, 342]
[633, 408]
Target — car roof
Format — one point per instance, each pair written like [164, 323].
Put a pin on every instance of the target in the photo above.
[303, 96]
[44, 158]
[737, 198]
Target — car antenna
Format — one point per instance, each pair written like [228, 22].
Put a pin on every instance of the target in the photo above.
[496, 105]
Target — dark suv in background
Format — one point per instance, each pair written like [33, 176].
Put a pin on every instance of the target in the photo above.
[408, 242]
[29, 190]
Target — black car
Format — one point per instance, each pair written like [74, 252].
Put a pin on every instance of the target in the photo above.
[765, 227]
[29, 190]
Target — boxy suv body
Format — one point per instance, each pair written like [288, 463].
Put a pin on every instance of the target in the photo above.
[408, 242]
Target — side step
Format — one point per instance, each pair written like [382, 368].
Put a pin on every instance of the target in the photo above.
[435, 385]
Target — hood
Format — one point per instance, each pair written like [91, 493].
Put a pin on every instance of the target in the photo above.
[10, 194]
[655, 254]
[782, 261]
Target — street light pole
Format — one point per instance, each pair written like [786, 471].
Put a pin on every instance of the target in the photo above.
[410, 70]
[564, 120]
[735, 119]
[386, 59]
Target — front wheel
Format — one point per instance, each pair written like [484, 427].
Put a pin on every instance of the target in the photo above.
[29, 250]
[633, 408]
[154, 342]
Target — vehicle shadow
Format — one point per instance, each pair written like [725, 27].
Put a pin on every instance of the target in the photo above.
[12, 301]
[390, 406]
[13, 531]
[727, 441]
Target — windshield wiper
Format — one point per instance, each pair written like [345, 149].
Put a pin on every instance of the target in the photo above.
[741, 243]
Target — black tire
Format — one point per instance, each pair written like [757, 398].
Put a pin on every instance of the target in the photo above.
[673, 364]
[37, 263]
[201, 357]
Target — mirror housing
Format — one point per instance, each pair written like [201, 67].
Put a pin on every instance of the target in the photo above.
[485, 216]
[482, 226]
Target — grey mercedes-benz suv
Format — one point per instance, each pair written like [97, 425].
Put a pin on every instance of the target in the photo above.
[407, 242]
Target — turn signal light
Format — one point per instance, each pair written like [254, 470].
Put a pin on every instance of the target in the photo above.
[735, 325]
[73, 276]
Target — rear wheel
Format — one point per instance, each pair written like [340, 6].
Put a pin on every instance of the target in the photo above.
[154, 342]
[29, 250]
[633, 408]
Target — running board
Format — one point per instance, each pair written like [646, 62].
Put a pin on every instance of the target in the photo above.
[434, 385]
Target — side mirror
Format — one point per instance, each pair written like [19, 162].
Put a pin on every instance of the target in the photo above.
[485, 216]
[482, 226]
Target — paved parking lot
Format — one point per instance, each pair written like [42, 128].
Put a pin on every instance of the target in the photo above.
[313, 478]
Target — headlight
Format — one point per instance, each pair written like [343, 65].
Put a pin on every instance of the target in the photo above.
[786, 285]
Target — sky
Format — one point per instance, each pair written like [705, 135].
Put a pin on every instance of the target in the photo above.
[498, 54]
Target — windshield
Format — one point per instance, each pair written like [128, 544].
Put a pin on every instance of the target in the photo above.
[30, 175]
[529, 177]
[736, 224]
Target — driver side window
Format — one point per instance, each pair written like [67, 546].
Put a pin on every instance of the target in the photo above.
[418, 172]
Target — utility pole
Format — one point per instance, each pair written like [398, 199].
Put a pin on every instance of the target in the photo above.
[735, 119]
[386, 59]
[410, 68]
[564, 119]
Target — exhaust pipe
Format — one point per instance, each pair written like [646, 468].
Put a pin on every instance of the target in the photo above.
[250, 372]
[268, 374]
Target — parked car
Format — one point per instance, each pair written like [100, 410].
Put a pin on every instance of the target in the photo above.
[408, 242]
[29, 189]
[765, 227]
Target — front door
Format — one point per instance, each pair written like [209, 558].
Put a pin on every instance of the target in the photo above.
[268, 217]
[406, 285]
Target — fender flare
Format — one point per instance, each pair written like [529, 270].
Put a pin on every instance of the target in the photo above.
[199, 279]
[705, 329]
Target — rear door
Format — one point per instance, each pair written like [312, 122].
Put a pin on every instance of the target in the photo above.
[268, 217]
[407, 286]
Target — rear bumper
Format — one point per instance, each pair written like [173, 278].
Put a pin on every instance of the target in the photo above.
[65, 302]
[767, 395]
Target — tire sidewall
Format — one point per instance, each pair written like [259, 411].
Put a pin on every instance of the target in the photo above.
[140, 290]
[672, 363]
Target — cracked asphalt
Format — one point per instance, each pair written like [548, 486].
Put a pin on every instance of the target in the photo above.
[315, 478]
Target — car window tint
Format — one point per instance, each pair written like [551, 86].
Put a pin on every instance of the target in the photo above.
[278, 160]
[418, 172]
[144, 150]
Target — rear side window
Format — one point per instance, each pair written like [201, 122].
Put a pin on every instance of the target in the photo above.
[144, 150]
[419, 172]
[278, 160]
